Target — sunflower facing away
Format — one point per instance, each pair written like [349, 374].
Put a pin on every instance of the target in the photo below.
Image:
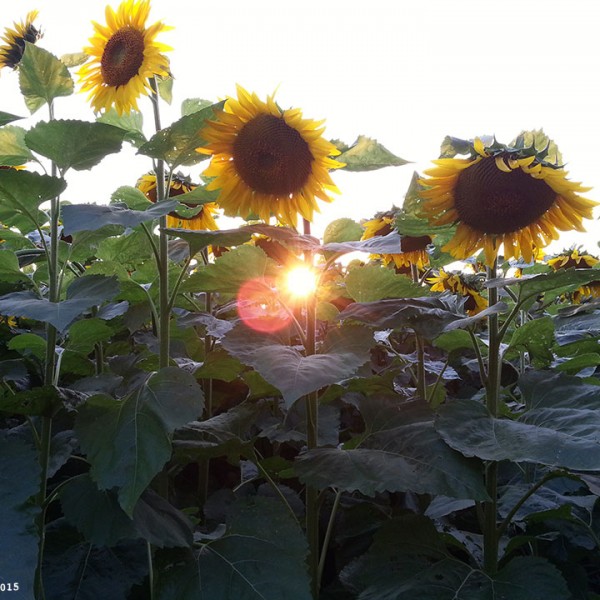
[267, 160]
[11, 52]
[514, 196]
[460, 284]
[204, 219]
[125, 56]
[574, 259]
[414, 249]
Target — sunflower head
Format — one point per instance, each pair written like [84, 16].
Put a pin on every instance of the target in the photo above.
[125, 56]
[413, 248]
[200, 218]
[458, 283]
[516, 195]
[573, 259]
[11, 51]
[268, 161]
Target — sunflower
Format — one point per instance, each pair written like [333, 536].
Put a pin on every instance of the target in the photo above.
[457, 283]
[511, 195]
[574, 259]
[414, 249]
[204, 219]
[125, 56]
[267, 160]
[11, 52]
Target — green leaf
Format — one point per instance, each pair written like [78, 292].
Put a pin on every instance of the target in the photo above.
[19, 480]
[28, 344]
[24, 191]
[95, 513]
[74, 144]
[74, 568]
[90, 217]
[165, 88]
[192, 105]
[41, 400]
[42, 77]
[401, 451]
[230, 271]
[82, 294]
[10, 270]
[373, 282]
[550, 434]
[132, 123]
[535, 337]
[198, 196]
[345, 350]
[13, 149]
[6, 118]
[74, 59]
[85, 334]
[177, 144]
[132, 197]
[342, 230]
[367, 154]
[128, 441]
[260, 557]
[579, 362]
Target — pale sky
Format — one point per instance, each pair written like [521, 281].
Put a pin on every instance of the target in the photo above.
[406, 72]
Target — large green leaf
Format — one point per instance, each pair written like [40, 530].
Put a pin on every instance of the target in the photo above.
[177, 144]
[342, 230]
[82, 294]
[19, 480]
[13, 149]
[231, 270]
[367, 154]
[373, 282]
[128, 441]
[132, 123]
[74, 144]
[345, 350]
[24, 191]
[549, 434]
[401, 451]
[90, 217]
[385, 244]
[260, 557]
[10, 270]
[42, 77]
[75, 568]
[535, 337]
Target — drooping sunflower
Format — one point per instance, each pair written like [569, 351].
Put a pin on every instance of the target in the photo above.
[267, 161]
[517, 195]
[461, 285]
[125, 56]
[203, 219]
[413, 249]
[574, 259]
[11, 52]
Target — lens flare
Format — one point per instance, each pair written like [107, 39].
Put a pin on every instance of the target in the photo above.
[259, 306]
[301, 282]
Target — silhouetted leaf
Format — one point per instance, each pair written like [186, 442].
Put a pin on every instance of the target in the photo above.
[372, 282]
[260, 557]
[90, 217]
[367, 154]
[128, 441]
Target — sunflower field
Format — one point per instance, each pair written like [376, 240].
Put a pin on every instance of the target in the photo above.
[407, 407]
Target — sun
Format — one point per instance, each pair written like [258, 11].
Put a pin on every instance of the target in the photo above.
[515, 196]
[300, 281]
[268, 161]
[124, 57]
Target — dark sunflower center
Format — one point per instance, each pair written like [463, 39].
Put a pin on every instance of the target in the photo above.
[14, 54]
[412, 244]
[122, 57]
[492, 201]
[272, 157]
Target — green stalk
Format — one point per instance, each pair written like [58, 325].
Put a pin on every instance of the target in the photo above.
[163, 248]
[421, 383]
[328, 534]
[490, 531]
[49, 377]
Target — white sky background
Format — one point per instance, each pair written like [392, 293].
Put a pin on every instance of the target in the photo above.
[406, 72]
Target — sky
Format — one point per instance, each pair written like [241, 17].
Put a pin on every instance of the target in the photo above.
[406, 72]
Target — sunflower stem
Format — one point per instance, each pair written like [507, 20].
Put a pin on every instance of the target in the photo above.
[490, 531]
[163, 247]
